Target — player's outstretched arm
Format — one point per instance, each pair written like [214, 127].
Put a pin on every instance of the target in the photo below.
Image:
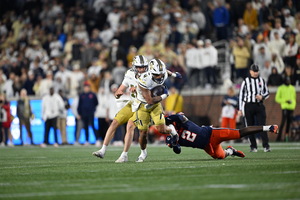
[174, 74]
[120, 91]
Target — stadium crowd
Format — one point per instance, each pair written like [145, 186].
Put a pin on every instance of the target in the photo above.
[64, 44]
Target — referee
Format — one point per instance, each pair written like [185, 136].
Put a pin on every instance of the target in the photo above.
[253, 92]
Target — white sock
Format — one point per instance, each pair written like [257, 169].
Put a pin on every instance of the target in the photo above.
[266, 128]
[228, 152]
[124, 154]
[173, 130]
[144, 152]
[103, 149]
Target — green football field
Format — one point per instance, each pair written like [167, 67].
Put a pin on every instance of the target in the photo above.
[73, 173]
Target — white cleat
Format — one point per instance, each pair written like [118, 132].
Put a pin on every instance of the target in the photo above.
[141, 158]
[98, 154]
[122, 159]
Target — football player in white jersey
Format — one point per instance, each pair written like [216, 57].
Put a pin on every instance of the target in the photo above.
[126, 114]
[150, 107]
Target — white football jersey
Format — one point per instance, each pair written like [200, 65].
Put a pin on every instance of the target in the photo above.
[130, 81]
[145, 81]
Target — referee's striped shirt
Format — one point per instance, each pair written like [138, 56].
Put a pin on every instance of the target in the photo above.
[250, 88]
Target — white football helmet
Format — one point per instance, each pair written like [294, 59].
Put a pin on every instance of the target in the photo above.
[139, 61]
[158, 70]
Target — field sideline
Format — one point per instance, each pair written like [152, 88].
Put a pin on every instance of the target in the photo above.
[73, 173]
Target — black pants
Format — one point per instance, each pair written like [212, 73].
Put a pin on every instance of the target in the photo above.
[48, 124]
[255, 114]
[196, 77]
[287, 116]
[89, 120]
[102, 127]
[210, 73]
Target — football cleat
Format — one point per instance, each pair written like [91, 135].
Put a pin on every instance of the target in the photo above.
[122, 159]
[267, 149]
[273, 129]
[254, 150]
[98, 154]
[141, 158]
[236, 152]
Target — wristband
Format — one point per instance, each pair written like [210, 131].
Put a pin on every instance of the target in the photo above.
[173, 75]
[163, 96]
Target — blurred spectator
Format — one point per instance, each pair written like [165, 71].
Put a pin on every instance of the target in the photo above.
[250, 17]
[118, 72]
[242, 29]
[76, 80]
[68, 48]
[221, 20]
[29, 83]
[8, 85]
[277, 45]
[290, 52]
[174, 37]
[65, 77]
[102, 114]
[106, 35]
[77, 49]
[209, 62]
[86, 110]
[17, 86]
[275, 79]
[62, 118]
[131, 53]
[278, 28]
[37, 68]
[113, 18]
[229, 109]
[241, 58]
[277, 62]
[264, 15]
[286, 97]
[78, 122]
[288, 73]
[45, 85]
[192, 60]
[52, 105]
[174, 102]
[198, 17]
[288, 18]
[24, 113]
[116, 52]
[106, 82]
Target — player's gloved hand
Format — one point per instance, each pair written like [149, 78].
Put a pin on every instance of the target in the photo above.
[148, 106]
[169, 141]
[178, 75]
[177, 149]
[172, 141]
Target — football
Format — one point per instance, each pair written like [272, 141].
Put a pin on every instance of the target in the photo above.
[158, 90]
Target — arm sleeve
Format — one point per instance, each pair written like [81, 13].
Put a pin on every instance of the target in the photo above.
[265, 92]
[241, 95]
